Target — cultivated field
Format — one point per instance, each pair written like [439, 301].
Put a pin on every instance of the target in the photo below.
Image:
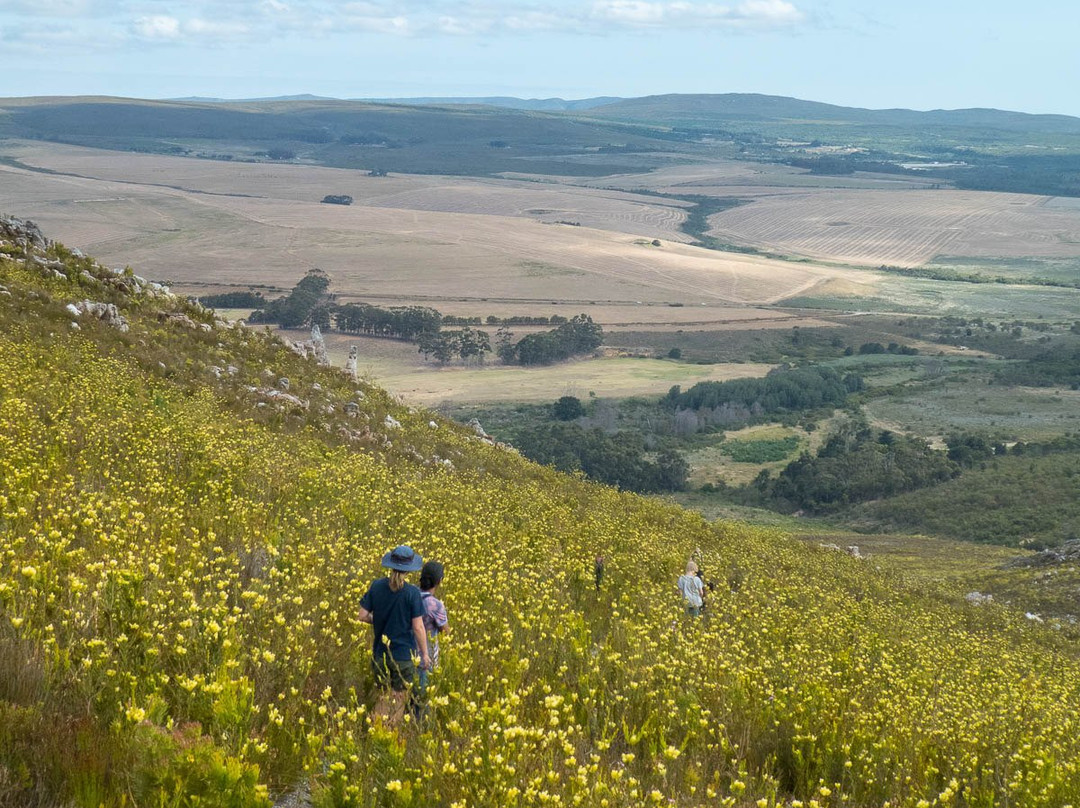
[370, 250]
[903, 229]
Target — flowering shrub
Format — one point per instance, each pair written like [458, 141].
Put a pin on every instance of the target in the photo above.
[180, 572]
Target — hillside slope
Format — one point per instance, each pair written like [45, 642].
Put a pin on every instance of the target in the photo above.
[344, 134]
[183, 544]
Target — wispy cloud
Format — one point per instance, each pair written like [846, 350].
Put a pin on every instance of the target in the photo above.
[752, 13]
[169, 22]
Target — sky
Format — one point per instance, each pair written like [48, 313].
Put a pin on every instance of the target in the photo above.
[918, 54]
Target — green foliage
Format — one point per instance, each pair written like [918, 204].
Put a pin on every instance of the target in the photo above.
[579, 335]
[298, 308]
[782, 390]
[1025, 497]
[618, 459]
[398, 322]
[856, 465]
[234, 300]
[466, 344]
[567, 408]
[760, 451]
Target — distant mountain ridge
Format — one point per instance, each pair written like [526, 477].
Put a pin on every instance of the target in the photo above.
[536, 104]
[508, 102]
[717, 109]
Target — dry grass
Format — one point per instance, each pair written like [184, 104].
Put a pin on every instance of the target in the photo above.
[903, 229]
[399, 368]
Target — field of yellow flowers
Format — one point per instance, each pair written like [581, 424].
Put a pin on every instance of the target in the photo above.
[182, 557]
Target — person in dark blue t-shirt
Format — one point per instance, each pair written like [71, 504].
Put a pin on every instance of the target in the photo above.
[396, 612]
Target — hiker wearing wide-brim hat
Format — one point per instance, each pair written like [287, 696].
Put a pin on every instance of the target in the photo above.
[394, 609]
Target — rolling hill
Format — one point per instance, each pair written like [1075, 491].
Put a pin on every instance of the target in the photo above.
[190, 512]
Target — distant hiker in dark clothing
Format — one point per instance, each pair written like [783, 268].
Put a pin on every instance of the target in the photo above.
[598, 571]
[395, 610]
[707, 588]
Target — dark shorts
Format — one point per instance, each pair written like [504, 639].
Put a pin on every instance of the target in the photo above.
[393, 673]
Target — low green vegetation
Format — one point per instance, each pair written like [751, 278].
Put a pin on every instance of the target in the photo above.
[1026, 498]
[762, 450]
[785, 390]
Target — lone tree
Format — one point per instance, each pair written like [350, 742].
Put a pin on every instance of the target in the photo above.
[567, 408]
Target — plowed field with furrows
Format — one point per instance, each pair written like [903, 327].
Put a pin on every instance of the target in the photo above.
[905, 229]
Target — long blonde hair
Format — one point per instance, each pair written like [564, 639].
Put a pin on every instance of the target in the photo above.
[397, 580]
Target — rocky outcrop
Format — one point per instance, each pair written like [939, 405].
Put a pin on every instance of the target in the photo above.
[318, 347]
[1067, 553]
[22, 233]
[350, 363]
[106, 312]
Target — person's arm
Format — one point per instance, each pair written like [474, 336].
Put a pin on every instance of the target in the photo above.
[365, 608]
[420, 633]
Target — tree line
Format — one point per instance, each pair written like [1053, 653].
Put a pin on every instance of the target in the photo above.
[311, 303]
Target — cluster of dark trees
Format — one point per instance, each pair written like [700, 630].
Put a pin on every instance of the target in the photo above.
[308, 303]
[618, 459]
[397, 322]
[443, 346]
[877, 348]
[783, 390]
[1044, 174]
[234, 300]
[855, 466]
[555, 319]
[337, 199]
[578, 335]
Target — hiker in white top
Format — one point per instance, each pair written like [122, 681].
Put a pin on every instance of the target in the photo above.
[692, 589]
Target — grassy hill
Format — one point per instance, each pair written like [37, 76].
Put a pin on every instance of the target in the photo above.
[183, 545]
[348, 134]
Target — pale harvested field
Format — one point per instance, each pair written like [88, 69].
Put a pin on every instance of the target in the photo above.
[193, 239]
[545, 202]
[903, 229]
[397, 367]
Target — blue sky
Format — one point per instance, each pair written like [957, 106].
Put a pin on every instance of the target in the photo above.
[884, 53]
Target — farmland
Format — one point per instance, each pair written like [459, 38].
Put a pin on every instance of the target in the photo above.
[903, 229]
[375, 250]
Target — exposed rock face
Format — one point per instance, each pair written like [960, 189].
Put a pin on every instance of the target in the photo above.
[1067, 553]
[22, 232]
[318, 346]
[350, 363]
[474, 425]
[106, 312]
[183, 320]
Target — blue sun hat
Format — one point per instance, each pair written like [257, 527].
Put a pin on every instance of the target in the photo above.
[403, 559]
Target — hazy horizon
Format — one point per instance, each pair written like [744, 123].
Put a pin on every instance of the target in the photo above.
[919, 55]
